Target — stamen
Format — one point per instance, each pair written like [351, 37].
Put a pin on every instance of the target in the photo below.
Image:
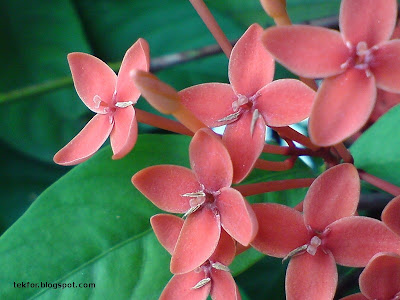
[97, 101]
[313, 246]
[361, 48]
[191, 210]
[254, 119]
[123, 104]
[231, 117]
[201, 283]
[295, 252]
[219, 266]
[194, 194]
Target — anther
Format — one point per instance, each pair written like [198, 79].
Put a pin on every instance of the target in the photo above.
[254, 119]
[219, 266]
[231, 117]
[123, 104]
[201, 283]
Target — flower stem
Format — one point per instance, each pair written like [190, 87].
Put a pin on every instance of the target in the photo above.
[287, 132]
[267, 165]
[344, 153]
[212, 25]
[161, 122]
[273, 186]
[380, 183]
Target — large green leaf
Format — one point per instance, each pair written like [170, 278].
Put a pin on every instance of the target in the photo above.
[377, 150]
[35, 38]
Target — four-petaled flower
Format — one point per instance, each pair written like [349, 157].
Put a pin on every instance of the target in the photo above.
[325, 234]
[380, 279]
[111, 97]
[250, 102]
[356, 61]
[212, 277]
[206, 198]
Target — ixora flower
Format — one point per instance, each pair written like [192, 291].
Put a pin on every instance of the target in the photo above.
[111, 98]
[206, 198]
[212, 277]
[380, 279]
[325, 234]
[250, 102]
[356, 61]
[390, 215]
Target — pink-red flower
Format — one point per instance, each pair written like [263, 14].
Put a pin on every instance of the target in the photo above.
[249, 102]
[111, 98]
[206, 198]
[380, 279]
[356, 61]
[391, 215]
[212, 277]
[325, 234]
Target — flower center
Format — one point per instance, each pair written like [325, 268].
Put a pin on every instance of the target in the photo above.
[361, 57]
[206, 268]
[242, 104]
[199, 199]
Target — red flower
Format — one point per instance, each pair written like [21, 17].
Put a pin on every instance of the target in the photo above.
[206, 198]
[359, 59]
[325, 234]
[111, 97]
[380, 279]
[390, 215]
[212, 277]
[250, 102]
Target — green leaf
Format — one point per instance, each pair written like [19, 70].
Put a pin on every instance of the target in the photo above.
[377, 150]
[36, 37]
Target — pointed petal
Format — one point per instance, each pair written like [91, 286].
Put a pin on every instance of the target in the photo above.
[86, 143]
[354, 240]
[92, 77]
[226, 249]
[237, 216]
[390, 215]
[209, 102]
[280, 229]
[124, 134]
[332, 196]
[381, 277]
[357, 296]
[307, 51]
[342, 106]
[164, 185]
[370, 21]
[386, 66]
[223, 286]
[284, 102]
[167, 229]
[251, 66]
[244, 147]
[197, 241]
[180, 287]
[137, 57]
[210, 160]
[311, 277]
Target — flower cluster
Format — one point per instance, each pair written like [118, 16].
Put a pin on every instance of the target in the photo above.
[217, 221]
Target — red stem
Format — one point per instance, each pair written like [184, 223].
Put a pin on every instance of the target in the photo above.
[161, 122]
[380, 183]
[295, 136]
[344, 153]
[212, 25]
[268, 165]
[273, 186]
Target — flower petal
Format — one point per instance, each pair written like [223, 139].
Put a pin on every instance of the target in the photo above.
[86, 143]
[237, 216]
[137, 57]
[167, 229]
[180, 287]
[124, 134]
[209, 102]
[196, 243]
[357, 296]
[390, 215]
[342, 106]
[354, 240]
[332, 196]
[311, 277]
[369, 21]
[210, 160]
[306, 50]
[226, 249]
[386, 66]
[92, 78]
[381, 277]
[280, 229]
[284, 102]
[164, 185]
[223, 286]
[251, 66]
[243, 146]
